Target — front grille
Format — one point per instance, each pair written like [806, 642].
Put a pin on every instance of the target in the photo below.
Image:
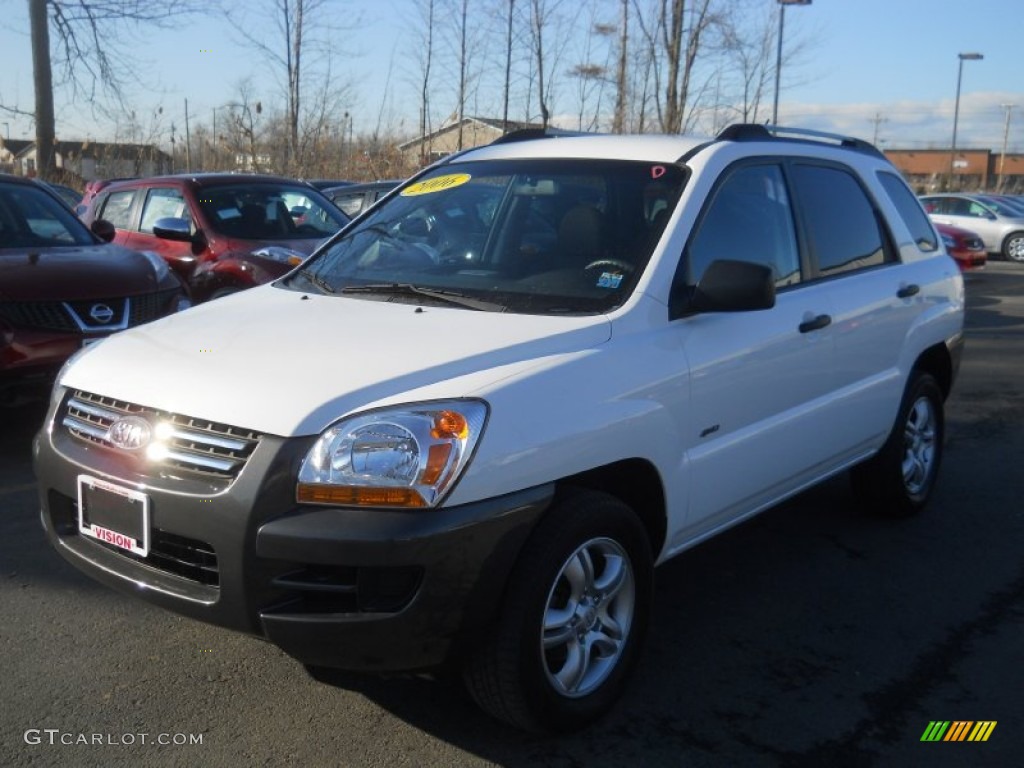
[75, 316]
[44, 315]
[318, 589]
[196, 446]
[189, 558]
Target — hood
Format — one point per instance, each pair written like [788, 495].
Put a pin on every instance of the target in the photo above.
[284, 363]
[76, 272]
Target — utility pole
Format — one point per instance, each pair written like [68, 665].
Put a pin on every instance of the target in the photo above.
[1006, 138]
[877, 120]
[188, 143]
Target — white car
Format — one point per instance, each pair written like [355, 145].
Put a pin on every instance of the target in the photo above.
[465, 431]
[999, 223]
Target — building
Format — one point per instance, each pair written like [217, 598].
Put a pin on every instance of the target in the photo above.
[929, 170]
[88, 160]
[9, 150]
[455, 135]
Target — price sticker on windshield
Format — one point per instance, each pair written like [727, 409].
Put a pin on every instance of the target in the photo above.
[436, 184]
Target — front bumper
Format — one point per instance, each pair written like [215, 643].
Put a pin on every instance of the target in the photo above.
[358, 589]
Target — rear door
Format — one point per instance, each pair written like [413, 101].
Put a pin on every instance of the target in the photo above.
[875, 300]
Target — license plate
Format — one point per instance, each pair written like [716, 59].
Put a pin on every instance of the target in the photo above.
[113, 514]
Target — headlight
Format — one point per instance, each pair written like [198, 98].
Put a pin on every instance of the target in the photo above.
[407, 456]
[159, 265]
[948, 241]
[280, 254]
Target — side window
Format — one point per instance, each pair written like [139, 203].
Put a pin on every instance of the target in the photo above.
[977, 210]
[749, 218]
[843, 230]
[117, 208]
[910, 211]
[163, 202]
[956, 206]
[349, 203]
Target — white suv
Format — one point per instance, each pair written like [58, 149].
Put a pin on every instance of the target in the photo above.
[464, 432]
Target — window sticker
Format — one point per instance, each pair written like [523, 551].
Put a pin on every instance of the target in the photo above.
[436, 184]
[229, 213]
[609, 280]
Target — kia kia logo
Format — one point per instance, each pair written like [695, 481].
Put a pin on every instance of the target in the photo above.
[130, 433]
[101, 313]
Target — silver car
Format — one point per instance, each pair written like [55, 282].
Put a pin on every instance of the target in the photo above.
[1000, 225]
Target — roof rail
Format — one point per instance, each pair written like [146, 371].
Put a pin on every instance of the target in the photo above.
[528, 134]
[757, 132]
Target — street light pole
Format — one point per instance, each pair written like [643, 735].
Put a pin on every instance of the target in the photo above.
[1006, 139]
[956, 109]
[778, 53]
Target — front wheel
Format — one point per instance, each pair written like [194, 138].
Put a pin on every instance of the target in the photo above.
[573, 620]
[899, 479]
[1013, 247]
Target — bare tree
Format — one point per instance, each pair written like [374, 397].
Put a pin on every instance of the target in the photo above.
[619, 117]
[302, 51]
[543, 15]
[427, 12]
[508, 63]
[84, 46]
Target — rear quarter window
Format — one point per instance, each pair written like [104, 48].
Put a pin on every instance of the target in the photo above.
[910, 211]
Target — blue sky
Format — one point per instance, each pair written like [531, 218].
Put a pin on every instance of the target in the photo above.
[882, 69]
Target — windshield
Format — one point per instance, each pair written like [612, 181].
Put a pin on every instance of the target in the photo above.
[261, 211]
[529, 236]
[31, 218]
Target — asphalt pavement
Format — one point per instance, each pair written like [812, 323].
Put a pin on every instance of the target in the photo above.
[813, 635]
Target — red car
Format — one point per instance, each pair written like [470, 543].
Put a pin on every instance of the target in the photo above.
[62, 287]
[966, 247]
[220, 232]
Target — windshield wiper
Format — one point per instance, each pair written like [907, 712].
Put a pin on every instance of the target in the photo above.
[415, 291]
[316, 280]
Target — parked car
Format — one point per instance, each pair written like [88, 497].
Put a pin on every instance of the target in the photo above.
[323, 184]
[1000, 226]
[62, 287]
[966, 248]
[70, 197]
[93, 188]
[538, 370]
[353, 199]
[221, 233]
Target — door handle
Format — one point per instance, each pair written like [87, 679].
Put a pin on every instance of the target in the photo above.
[815, 324]
[906, 291]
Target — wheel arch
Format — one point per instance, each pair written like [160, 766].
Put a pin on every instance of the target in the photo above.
[637, 484]
[937, 361]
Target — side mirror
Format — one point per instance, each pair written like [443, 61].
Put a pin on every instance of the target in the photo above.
[734, 286]
[172, 228]
[103, 229]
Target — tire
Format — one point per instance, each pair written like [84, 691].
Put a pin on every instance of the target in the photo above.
[899, 479]
[1013, 247]
[587, 573]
